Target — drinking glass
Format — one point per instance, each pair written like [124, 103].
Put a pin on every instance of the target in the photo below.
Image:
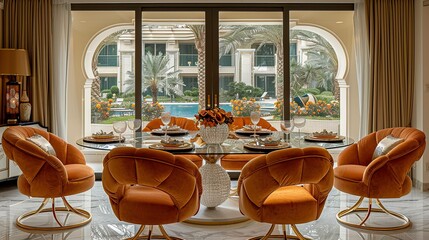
[133, 125]
[166, 118]
[299, 122]
[287, 127]
[255, 117]
[120, 127]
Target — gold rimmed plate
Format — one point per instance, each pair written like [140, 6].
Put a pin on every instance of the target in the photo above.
[178, 132]
[312, 138]
[178, 148]
[113, 139]
[262, 147]
[260, 132]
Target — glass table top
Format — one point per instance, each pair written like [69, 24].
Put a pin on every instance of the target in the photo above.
[230, 146]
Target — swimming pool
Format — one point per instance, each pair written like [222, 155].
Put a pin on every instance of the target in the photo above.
[188, 109]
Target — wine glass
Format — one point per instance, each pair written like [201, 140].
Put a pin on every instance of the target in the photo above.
[120, 127]
[299, 122]
[133, 125]
[287, 127]
[166, 118]
[255, 117]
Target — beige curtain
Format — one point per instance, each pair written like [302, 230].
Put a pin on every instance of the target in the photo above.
[27, 24]
[391, 43]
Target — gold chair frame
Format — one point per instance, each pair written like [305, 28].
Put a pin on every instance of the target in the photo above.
[149, 235]
[61, 226]
[285, 236]
[355, 208]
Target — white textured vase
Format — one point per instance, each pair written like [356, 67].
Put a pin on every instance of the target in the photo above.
[214, 135]
[216, 185]
[24, 108]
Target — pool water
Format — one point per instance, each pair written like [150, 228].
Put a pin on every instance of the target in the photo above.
[188, 109]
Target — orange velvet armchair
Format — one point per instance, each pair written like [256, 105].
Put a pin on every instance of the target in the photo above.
[287, 186]
[47, 176]
[151, 187]
[383, 177]
[183, 123]
[237, 161]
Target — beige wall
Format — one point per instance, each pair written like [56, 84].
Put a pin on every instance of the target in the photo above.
[85, 25]
[421, 106]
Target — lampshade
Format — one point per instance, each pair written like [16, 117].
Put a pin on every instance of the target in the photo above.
[14, 62]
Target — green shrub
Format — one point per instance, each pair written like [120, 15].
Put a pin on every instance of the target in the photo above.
[327, 93]
[325, 98]
[106, 91]
[313, 91]
[115, 90]
[109, 95]
[192, 93]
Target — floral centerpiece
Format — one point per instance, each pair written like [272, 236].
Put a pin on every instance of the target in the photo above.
[214, 124]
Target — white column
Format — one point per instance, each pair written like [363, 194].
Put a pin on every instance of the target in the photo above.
[87, 107]
[344, 106]
[246, 65]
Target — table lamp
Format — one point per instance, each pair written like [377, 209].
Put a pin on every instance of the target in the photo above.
[13, 62]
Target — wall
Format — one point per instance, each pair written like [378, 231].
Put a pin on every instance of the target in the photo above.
[420, 113]
[84, 26]
[1, 23]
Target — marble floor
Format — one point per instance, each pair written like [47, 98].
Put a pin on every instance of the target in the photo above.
[106, 226]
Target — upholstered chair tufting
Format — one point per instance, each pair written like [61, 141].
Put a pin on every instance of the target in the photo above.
[151, 187]
[365, 171]
[286, 187]
[57, 173]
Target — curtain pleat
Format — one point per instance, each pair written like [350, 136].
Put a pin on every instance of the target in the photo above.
[391, 44]
[27, 25]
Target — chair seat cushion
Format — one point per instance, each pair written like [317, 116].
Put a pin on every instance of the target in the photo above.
[147, 206]
[80, 179]
[236, 161]
[348, 178]
[289, 205]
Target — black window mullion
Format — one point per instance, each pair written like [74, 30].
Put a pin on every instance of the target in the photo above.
[286, 66]
[138, 64]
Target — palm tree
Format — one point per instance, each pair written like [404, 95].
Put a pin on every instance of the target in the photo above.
[263, 34]
[157, 77]
[200, 44]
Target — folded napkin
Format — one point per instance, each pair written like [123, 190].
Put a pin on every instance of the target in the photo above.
[251, 127]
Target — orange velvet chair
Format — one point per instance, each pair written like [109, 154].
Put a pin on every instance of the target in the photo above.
[151, 187]
[288, 186]
[183, 123]
[237, 161]
[47, 176]
[383, 177]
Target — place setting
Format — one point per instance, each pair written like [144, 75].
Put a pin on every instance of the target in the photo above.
[266, 144]
[324, 136]
[253, 130]
[166, 129]
[172, 144]
[108, 137]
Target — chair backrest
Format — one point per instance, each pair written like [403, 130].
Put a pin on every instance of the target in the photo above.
[240, 122]
[175, 175]
[182, 122]
[310, 166]
[38, 167]
[409, 151]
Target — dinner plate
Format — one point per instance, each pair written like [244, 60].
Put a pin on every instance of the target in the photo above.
[179, 148]
[250, 132]
[312, 138]
[255, 146]
[113, 139]
[161, 132]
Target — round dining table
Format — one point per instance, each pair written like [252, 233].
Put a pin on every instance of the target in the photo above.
[219, 202]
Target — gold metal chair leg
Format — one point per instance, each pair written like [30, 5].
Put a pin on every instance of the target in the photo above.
[355, 209]
[269, 235]
[150, 236]
[87, 217]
